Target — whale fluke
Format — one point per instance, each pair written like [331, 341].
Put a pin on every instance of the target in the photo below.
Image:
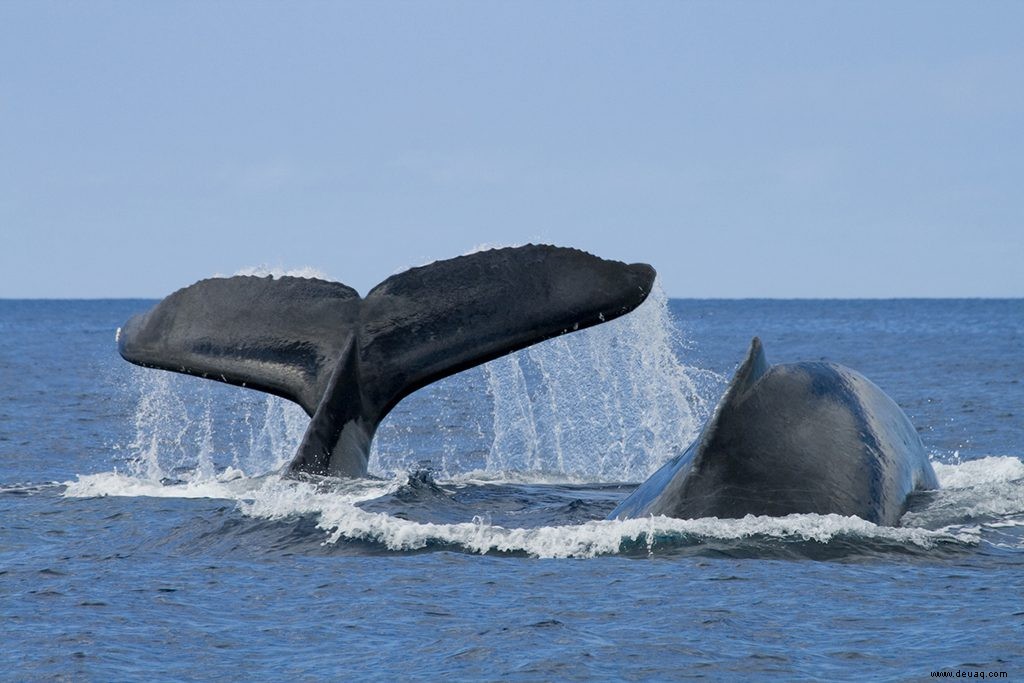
[348, 360]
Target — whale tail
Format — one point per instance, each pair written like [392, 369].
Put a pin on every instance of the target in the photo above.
[348, 360]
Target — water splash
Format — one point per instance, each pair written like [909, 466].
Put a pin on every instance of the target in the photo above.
[610, 403]
[990, 489]
[190, 430]
[278, 272]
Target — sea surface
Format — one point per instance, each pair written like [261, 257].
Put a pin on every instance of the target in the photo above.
[146, 533]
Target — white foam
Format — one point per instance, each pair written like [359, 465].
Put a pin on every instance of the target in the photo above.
[344, 521]
[989, 470]
[341, 519]
[335, 504]
[229, 485]
[514, 477]
[279, 271]
[989, 489]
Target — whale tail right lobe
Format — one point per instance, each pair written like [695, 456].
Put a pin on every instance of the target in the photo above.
[349, 360]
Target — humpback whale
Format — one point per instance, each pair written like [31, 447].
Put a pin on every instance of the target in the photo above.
[811, 437]
[348, 360]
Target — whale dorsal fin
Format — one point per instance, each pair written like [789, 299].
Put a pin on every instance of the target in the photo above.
[753, 368]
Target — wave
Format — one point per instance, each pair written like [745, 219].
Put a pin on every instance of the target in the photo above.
[984, 471]
[988, 490]
[983, 500]
[342, 520]
[228, 485]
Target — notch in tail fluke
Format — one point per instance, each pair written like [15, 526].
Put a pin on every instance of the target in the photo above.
[349, 360]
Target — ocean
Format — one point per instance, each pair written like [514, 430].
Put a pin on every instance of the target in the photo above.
[146, 532]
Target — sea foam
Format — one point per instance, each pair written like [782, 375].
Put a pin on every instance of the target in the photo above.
[336, 507]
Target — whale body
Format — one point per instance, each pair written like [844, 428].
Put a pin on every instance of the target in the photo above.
[811, 437]
[348, 360]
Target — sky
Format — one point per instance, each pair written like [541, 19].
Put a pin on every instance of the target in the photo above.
[744, 149]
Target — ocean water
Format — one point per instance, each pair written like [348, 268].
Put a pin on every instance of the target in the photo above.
[146, 534]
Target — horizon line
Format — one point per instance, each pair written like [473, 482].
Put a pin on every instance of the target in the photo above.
[670, 297]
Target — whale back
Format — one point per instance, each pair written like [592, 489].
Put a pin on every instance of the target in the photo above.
[794, 438]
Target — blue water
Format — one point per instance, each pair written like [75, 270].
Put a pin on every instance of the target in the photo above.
[145, 534]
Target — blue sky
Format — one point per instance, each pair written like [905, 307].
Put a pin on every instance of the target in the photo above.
[868, 149]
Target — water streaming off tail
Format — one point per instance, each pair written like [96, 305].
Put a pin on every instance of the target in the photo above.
[608, 403]
[188, 429]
